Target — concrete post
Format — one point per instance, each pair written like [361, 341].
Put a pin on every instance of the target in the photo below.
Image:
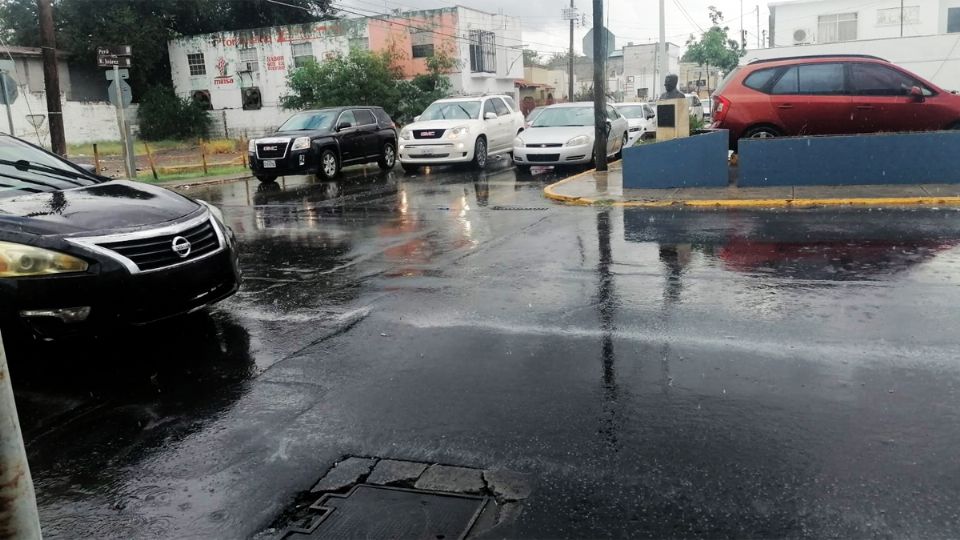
[18, 502]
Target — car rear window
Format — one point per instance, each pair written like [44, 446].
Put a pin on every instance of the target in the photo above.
[726, 80]
[758, 80]
[364, 117]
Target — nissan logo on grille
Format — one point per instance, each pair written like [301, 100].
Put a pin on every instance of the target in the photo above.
[181, 246]
[272, 148]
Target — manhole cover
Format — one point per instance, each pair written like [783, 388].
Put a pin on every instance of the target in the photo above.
[384, 512]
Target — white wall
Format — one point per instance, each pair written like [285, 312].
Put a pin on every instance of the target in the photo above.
[82, 121]
[509, 53]
[641, 63]
[935, 58]
[931, 18]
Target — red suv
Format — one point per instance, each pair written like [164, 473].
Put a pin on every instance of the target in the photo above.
[829, 95]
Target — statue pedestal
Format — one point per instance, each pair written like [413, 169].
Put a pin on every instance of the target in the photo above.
[673, 119]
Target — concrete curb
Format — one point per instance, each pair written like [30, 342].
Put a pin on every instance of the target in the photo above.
[550, 193]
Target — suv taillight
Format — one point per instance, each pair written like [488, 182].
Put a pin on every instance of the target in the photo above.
[721, 106]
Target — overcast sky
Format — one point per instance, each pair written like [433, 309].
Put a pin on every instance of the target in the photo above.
[630, 20]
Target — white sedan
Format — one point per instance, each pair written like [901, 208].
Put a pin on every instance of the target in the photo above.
[642, 118]
[563, 134]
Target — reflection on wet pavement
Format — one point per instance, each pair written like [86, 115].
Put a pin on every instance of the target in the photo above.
[662, 373]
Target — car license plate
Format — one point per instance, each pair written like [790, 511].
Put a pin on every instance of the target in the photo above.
[269, 164]
[421, 151]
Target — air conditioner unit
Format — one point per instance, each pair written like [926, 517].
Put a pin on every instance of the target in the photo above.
[801, 36]
[251, 98]
[202, 98]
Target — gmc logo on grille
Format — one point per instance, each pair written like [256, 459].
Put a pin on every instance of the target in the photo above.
[270, 148]
[427, 133]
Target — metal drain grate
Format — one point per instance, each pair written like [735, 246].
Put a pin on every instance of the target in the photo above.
[387, 512]
[533, 208]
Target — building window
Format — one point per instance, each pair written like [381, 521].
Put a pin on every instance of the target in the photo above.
[196, 64]
[421, 43]
[483, 52]
[249, 61]
[838, 27]
[891, 16]
[302, 53]
[953, 20]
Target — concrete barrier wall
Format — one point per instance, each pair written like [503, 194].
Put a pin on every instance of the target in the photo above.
[902, 158]
[698, 161]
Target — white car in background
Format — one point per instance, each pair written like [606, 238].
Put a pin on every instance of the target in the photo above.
[696, 107]
[563, 134]
[461, 130]
[642, 119]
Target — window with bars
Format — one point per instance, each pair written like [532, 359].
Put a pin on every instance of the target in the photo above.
[196, 64]
[483, 51]
[302, 53]
[837, 27]
[421, 42]
[249, 60]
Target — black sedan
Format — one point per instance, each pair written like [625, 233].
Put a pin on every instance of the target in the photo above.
[323, 141]
[81, 253]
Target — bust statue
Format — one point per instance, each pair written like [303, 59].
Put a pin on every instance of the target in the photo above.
[670, 84]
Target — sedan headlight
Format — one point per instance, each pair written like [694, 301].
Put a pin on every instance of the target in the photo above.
[301, 143]
[217, 213]
[518, 142]
[18, 260]
[458, 132]
[252, 146]
[406, 135]
[579, 141]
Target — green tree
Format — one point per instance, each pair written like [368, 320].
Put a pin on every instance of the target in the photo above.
[164, 115]
[83, 25]
[715, 48]
[532, 58]
[369, 78]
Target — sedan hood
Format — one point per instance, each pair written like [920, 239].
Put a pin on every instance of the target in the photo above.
[109, 206]
[554, 135]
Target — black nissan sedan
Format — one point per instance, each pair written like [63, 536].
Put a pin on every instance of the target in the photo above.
[323, 141]
[79, 252]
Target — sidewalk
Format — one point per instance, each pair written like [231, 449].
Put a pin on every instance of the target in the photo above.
[606, 189]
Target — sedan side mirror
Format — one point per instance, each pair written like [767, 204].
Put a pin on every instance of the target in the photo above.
[343, 125]
[608, 126]
[916, 94]
[490, 116]
[651, 116]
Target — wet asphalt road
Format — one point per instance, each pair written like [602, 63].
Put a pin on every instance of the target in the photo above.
[660, 373]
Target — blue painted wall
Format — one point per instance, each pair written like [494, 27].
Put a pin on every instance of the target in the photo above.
[901, 158]
[698, 161]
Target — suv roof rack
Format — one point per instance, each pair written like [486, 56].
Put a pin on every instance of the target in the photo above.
[814, 56]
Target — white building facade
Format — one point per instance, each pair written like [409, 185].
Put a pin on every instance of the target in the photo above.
[244, 74]
[922, 36]
[641, 78]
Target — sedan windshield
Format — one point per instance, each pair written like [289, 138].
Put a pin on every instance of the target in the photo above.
[565, 117]
[26, 169]
[452, 110]
[632, 111]
[309, 120]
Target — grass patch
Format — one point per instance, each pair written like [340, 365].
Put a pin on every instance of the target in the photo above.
[115, 148]
[147, 176]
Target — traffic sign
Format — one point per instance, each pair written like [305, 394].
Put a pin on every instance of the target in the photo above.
[124, 74]
[569, 14]
[125, 91]
[111, 60]
[123, 50]
[609, 39]
[9, 94]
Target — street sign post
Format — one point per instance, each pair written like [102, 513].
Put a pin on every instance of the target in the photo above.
[121, 96]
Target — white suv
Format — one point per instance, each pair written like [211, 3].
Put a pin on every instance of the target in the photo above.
[461, 130]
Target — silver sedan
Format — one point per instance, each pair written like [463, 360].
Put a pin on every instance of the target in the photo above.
[563, 134]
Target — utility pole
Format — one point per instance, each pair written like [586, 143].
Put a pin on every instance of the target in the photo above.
[51, 78]
[743, 34]
[758, 27]
[570, 75]
[662, 61]
[901, 18]
[599, 87]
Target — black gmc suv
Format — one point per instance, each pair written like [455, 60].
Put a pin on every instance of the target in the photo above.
[322, 141]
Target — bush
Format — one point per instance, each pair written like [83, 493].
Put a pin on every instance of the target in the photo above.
[163, 115]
